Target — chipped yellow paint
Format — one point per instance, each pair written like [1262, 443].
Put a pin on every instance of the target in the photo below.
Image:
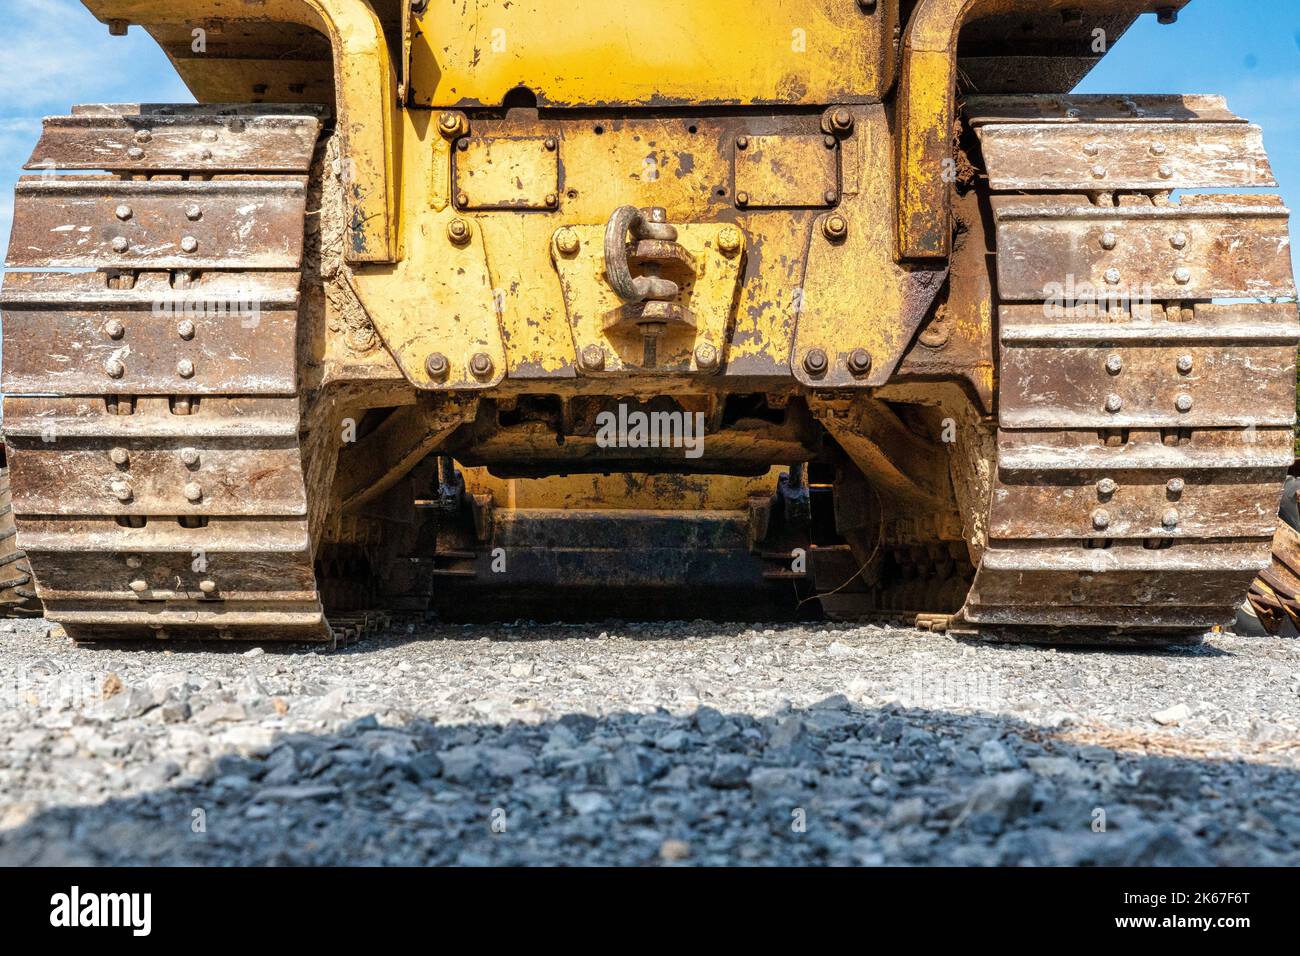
[597, 53]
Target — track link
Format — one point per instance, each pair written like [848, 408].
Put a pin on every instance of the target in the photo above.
[1143, 430]
[152, 404]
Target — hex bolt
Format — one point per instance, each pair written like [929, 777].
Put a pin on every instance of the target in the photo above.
[1175, 486]
[120, 244]
[830, 141]
[742, 198]
[1106, 487]
[1158, 149]
[119, 456]
[452, 125]
[207, 586]
[1112, 276]
[1185, 363]
[118, 27]
[458, 231]
[859, 362]
[193, 491]
[139, 585]
[185, 368]
[742, 142]
[830, 196]
[706, 356]
[124, 212]
[1101, 519]
[190, 457]
[480, 365]
[114, 329]
[729, 240]
[185, 329]
[1099, 171]
[1114, 364]
[135, 152]
[122, 491]
[462, 200]
[842, 120]
[189, 244]
[593, 358]
[1182, 275]
[567, 242]
[1166, 171]
[551, 199]
[1109, 240]
[835, 227]
[1091, 149]
[193, 213]
[1166, 15]
[114, 368]
[1183, 403]
[550, 143]
[1178, 240]
[1170, 519]
[815, 361]
[1113, 402]
[436, 365]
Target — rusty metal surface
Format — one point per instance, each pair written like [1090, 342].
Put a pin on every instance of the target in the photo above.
[779, 171]
[165, 224]
[1203, 247]
[73, 334]
[1099, 108]
[1125, 155]
[144, 142]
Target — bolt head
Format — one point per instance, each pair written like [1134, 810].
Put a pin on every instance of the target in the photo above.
[1183, 403]
[1185, 363]
[185, 368]
[1178, 240]
[193, 491]
[480, 365]
[189, 244]
[190, 456]
[815, 361]
[114, 368]
[1109, 240]
[1106, 487]
[859, 362]
[1099, 171]
[437, 365]
[134, 562]
[1101, 519]
[122, 491]
[207, 586]
[139, 586]
[729, 239]
[706, 356]
[124, 212]
[1182, 275]
[550, 143]
[114, 328]
[185, 329]
[1166, 171]
[1158, 149]
[835, 226]
[462, 200]
[1091, 149]
[551, 199]
[120, 244]
[1169, 519]
[193, 213]
[452, 124]
[1112, 276]
[593, 358]
[1114, 364]
[742, 142]
[135, 152]
[567, 242]
[119, 456]
[742, 198]
[842, 119]
[459, 231]
[1175, 486]
[1114, 403]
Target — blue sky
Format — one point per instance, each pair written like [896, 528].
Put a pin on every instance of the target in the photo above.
[56, 54]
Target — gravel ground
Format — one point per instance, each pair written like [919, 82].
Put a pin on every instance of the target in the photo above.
[648, 744]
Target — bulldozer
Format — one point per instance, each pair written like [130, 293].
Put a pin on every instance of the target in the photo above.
[810, 307]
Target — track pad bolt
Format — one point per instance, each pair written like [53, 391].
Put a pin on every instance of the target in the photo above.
[114, 368]
[1114, 403]
[593, 358]
[480, 365]
[1183, 403]
[1112, 276]
[1114, 364]
[119, 456]
[193, 491]
[1183, 275]
[1101, 519]
[729, 240]
[1109, 240]
[1175, 486]
[120, 244]
[190, 457]
[1178, 240]
[1184, 363]
[706, 356]
[189, 244]
[814, 362]
[114, 328]
[566, 240]
[122, 491]
[842, 120]
[835, 227]
[859, 362]
[1106, 487]
[458, 231]
[436, 365]
[139, 585]
[1170, 519]
[185, 329]
[124, 212]
[185, 368]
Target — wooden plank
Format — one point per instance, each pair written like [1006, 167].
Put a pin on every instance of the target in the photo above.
[162, 224]
[191, 142]
[1137, 156]
[1052, 249]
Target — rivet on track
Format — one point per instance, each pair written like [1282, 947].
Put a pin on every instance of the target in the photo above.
[1175, 486]
[1182, 275]
[193, 213]
[120, 244]
[185, 368]
[193, 491]
[1106, 487]
[124, 212]
[122, 491]
[114, 368]
[190, 456]
[1112, 276]
[135, 152]
[1183, 403]
[1101, 519]
[189, 244]
[119, 456]
[185, 329]
[1185, 363]
[1109, 240]
[1114, 403]
[1178, 240]
[114, 329]
[1114, 364]
[1170, 519]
